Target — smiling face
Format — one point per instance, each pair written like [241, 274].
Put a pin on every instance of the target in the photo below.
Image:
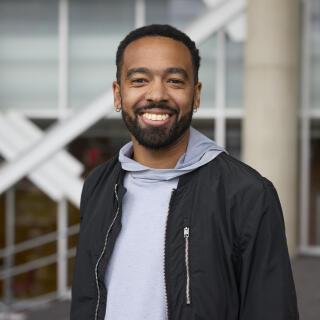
[157, 93]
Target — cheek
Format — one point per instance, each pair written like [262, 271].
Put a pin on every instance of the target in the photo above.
[184, 101]
[132, 97]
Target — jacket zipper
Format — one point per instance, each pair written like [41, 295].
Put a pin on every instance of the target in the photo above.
[164, 257]
[104, 249]
[186, 231]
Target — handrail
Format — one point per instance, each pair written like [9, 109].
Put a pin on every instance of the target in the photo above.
[34, 264]
[36, 242]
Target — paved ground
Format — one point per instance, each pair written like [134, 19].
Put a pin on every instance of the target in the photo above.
[307, 277]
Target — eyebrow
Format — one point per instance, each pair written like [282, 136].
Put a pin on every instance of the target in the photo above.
[177, 70]
[132, 71]
[181, 71]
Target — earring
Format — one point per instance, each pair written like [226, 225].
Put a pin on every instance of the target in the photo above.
[118, 109]
[195, 110]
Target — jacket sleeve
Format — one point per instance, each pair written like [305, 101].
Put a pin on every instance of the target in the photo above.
[266, 283]
[82, 299]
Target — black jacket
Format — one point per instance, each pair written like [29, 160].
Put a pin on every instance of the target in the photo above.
[226, 256]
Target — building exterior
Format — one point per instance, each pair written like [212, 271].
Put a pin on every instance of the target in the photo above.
[260, 99]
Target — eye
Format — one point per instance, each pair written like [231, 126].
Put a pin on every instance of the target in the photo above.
[138, 80]
[176, 81]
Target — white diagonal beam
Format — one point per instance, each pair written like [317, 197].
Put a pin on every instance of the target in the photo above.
[30, 131]
[8, 151]
[209, 23]
[51, 177]
[55, 139]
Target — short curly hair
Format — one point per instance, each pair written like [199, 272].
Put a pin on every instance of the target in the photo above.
[162, 30]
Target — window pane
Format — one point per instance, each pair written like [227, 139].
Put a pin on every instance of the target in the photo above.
[207, 74]
[179, 13]
[234, 73]
[315, 54]
[206, 127]
[314, 222]
[233, 138]
[28, 54]
[96, 28]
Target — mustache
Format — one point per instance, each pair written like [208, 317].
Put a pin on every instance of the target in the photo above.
[155, 105]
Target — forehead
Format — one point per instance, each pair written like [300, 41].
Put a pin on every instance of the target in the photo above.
[157, 52]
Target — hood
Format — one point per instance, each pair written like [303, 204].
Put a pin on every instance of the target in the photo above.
[200, 151]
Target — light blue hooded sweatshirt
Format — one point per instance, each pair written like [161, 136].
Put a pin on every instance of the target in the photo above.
[134, 277]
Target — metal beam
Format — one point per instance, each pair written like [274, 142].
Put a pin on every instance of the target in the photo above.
[63, 58]
[305, 131]
[203, 27]
[10, 239]
[33, 133]
[53, 177]
[37, 242]
[220, 122]
[62, 244]
[35, 264]
[140, 13]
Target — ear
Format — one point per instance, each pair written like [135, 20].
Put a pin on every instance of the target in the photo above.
[197, 92]
[116, 95]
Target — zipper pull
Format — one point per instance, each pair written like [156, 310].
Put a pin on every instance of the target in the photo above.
[186, 252]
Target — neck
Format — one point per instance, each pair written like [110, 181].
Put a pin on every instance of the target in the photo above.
[166, 158]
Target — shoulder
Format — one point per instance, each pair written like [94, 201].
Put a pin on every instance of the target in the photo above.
[236, 176]
[250, 196]
[242, 189]
[101, 170]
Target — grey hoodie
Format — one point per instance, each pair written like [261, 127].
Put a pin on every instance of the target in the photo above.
[134, 277]
[200, 151]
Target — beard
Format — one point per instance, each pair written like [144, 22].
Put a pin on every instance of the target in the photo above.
[157, 137]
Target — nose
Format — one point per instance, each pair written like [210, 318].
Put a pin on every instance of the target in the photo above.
[157, 92]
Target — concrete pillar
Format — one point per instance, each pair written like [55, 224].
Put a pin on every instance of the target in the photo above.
[270, 136]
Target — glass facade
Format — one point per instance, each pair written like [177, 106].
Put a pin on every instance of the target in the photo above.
[314, 218]
[312, 61]
[95, 30]
[178, 13]
[29, 50]
[314, 39]
[207, 72]
[28, 54]
[234, 73]
[233, 138]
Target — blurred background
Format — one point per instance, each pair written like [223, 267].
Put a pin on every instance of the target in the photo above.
[260, 71]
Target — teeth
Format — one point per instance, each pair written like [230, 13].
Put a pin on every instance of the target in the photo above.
[155, 117]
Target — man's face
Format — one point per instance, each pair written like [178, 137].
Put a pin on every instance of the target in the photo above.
[157, 93]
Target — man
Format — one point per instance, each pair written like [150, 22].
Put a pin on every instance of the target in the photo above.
[173, 227]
